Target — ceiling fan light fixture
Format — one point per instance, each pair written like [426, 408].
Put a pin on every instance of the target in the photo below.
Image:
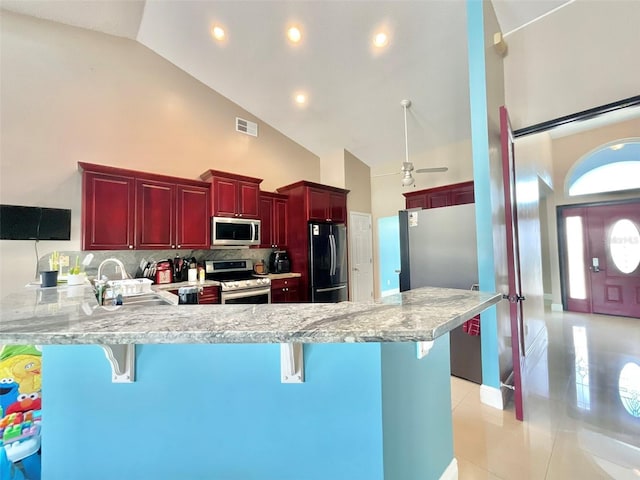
[407, 179]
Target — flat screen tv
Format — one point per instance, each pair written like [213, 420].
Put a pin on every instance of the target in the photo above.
[34, 223]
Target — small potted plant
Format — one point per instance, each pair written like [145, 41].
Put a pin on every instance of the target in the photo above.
[76, 277]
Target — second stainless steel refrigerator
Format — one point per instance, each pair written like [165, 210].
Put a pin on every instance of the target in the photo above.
[328, 262]
[438, 249]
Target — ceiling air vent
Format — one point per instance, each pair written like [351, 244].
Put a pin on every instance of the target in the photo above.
[245, 126]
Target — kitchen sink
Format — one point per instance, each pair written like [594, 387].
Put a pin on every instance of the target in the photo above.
[150, 299]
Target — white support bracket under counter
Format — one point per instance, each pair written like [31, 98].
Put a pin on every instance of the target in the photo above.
[423, 348]
[292, 363]
[123, 362]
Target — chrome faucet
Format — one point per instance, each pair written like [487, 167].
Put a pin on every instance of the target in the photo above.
[117, 262]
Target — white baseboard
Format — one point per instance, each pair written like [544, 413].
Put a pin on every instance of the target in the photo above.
[557, 307]
[451, 472]
[492, 397]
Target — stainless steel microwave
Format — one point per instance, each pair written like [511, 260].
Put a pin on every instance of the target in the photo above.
[234, 231]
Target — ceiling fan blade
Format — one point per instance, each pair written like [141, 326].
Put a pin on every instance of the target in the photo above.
[432, 169]
[386, 174]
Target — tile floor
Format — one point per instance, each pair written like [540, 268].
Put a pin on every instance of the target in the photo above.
[578, 402]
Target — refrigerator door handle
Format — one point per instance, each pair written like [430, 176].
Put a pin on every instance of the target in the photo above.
[332, 242]
[330, 289]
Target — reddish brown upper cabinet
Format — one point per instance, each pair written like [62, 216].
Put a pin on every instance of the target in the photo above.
[155, 214]
[233, 195]
[273, 220]
[327, 205]
[193, 222]
[124, 209]
[108, 211]
[445, 196]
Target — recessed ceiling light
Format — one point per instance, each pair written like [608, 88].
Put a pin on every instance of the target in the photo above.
[380, 39]
[294, 34]
[218, 32]
[301, 98]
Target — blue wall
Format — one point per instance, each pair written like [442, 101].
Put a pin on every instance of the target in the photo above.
[482, 187]
[220, 412]
[389, 253]
[213, 411]
[418, 438]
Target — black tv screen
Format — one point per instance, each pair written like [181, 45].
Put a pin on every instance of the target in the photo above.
[34, 223]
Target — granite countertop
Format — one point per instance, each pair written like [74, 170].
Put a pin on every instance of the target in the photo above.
[277, 276]
[71, 315]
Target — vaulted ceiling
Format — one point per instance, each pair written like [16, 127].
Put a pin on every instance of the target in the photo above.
[353, 89]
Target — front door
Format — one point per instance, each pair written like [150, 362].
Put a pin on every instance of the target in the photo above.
[614, 258]
[601, 258]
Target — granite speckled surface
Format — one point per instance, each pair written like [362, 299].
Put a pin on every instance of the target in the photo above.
[71, 315]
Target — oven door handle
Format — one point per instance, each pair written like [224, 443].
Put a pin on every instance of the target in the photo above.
[245, 293]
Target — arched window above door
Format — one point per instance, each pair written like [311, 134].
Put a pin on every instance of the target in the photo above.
[612, 167]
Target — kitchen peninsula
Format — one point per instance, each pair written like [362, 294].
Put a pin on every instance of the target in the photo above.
[208, 401]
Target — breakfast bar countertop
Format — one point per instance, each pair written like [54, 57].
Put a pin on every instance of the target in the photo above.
[71, 315]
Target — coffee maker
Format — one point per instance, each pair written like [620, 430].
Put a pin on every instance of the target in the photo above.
[279, 262]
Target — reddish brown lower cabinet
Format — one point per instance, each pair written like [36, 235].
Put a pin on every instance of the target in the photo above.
[285, 290]
[445, 196]
[209, 295]
[273, 220]
[108, 211]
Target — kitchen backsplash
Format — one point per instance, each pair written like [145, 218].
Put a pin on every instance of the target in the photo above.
[132, 258]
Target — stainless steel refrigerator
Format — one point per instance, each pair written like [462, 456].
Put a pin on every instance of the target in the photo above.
[328, 262]
[438, 249]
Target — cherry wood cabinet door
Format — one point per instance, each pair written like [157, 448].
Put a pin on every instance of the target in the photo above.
[338, 207]
[280, 222]
[248, 200]
[266, 222]
[463, 194]
[417, 201]
[108, 206]
[209, 295]
[438, 199]
[193, 220]
[318, 205]
[285, 290]
[225, 193]
[155, 214]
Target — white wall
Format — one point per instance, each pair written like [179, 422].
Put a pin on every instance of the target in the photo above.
[70, 95]
[582, 56]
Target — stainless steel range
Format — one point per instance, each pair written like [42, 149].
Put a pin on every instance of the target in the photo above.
[237, 281]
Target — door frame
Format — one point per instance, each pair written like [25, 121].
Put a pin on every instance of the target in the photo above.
[515, 295]
[562, 247]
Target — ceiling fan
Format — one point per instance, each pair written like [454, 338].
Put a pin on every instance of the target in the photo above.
[407, 166]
